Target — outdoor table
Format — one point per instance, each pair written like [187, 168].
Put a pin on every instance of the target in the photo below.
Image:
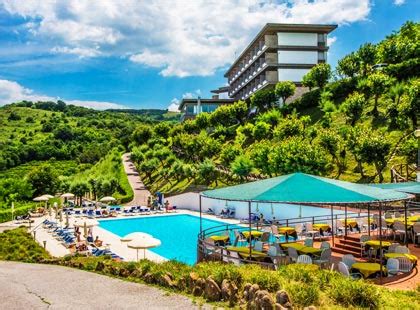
[301, 248]
[254, 234]
[220, 240]
[368, 269]
[244, 252]
[411, 257]
[286, 230]
[376, 244]
[321, 226]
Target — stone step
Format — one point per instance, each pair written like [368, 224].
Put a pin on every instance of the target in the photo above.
[343, 251]
[350, 242]
[347, 247]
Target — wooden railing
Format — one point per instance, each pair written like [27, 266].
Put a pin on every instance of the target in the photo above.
[403, 173]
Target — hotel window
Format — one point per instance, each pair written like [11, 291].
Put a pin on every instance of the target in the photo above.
[322, 56]
[322, 39]
[190, 109]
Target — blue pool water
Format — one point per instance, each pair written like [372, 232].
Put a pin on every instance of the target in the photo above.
[178, 233]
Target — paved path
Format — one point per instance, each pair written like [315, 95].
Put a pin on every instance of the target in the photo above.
[140, 191]
[31, 286]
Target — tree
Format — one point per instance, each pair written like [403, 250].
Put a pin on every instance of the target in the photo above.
[318, 76]
[93, 183]
[12, 190]
[377, 83]
[162, 129]
[13, 116]
[142, 134]
[354, 139]
[349, 65]
[261, 130]
[148, 166]
[410, 107]
[242, 166]
[284, 90]
[229, 153]
[264, 100]
[332, 143]
[202, 120]
[79, 189]
[43, 179]
[207, 172]
[353, 107]
[374, 149]
[367, 56]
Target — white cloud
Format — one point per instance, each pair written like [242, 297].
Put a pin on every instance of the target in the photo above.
[331, 40]
[79, 51]
[11, 91]
[399, 2]
[173, 107]
[180, 38]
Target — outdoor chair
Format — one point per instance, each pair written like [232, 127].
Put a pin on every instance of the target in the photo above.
[392, 266]
[349, 260]
[402, 249]
[209, 246]
[361, 225]
[416, 232]
[339, 228]
[309, 242]
[399, 229]
[276, 256]
[398, 214]
[299, 229]
[239, 238]
[275, 232]
[265, 238]
[325, 245]
[392, 247]
[325, 258]
[344, 270]
[364, 238]
[304, 259]
[210, 211]
[258, 246]
[234, 258]
[388, 215]
[405, 264]
[293, 254]
[310, 230]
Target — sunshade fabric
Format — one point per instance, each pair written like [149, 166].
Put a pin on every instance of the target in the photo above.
[405, 187]
[305, 188]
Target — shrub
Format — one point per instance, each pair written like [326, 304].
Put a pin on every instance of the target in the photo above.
[266, 279]
[219, 272]
[354, 293]
[302, 294]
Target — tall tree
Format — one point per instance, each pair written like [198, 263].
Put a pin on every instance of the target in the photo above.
[353, 107]
[318, 76]
[377, 84]
[284, 90]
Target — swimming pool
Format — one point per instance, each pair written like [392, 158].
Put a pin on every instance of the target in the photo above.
[178, 233]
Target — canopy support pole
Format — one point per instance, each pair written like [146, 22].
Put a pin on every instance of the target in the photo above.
[201, 221]
[380, 243]
[345, 221]
[332, 225]
[405, 216]
[368, 221]
[249, 226]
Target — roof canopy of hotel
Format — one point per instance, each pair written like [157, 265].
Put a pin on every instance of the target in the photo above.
[300, 188]
[405, 187]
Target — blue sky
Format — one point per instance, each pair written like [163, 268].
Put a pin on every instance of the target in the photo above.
[141, 54]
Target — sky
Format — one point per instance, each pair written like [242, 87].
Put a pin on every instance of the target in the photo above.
[152, 53]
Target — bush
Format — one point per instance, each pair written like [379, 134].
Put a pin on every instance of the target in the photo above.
[354, 293]
[6, 215]
[303, 295]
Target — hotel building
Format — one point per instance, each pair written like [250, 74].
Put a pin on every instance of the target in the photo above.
[279, 52]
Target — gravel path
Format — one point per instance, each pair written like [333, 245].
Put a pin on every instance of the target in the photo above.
[140, 191]
[32, 286]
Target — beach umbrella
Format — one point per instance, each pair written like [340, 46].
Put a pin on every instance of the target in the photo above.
[40, 198]
[107, 199]
[86, 222]
[143, 243]
[67, 195]
[134, 235]
[48, 196]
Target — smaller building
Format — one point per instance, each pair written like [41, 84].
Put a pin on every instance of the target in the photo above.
[190, 108]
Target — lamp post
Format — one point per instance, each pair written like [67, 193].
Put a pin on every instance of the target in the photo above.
[417, 135]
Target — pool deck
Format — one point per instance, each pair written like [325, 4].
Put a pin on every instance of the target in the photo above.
[110, 240]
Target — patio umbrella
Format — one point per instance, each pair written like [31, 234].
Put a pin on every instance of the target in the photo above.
[86, 222]
[143, 243]
[107, 199]
[67, 195]
[48, 196]
[40, 198]
[134, 235]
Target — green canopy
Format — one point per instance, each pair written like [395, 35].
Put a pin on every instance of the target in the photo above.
[305, 188]
[405, 187]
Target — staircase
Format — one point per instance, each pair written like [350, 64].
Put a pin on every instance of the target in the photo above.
[348, 245]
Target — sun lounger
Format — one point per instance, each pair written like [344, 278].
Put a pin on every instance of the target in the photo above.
[98, 213]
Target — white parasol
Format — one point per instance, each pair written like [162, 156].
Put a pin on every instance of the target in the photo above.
[143, 243]
[107, 199]
[135, 235]
[41, 198]
[67, 195]
[86, 222]
[48, 196]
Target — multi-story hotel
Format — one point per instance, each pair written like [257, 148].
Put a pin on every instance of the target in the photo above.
[279, 52]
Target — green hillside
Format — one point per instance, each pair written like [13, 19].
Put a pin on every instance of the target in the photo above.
[354, 123]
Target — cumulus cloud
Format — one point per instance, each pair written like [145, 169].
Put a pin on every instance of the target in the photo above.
[173, 107]
[11, 91]
[180, 38]
[399, 2]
